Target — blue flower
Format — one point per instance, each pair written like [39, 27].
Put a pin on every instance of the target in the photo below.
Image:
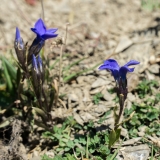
[18, 40]
[40, 64]
[20, 49]
[37, 68]
[117, 71]
[42, 32]
[17, 34]
[35, 64]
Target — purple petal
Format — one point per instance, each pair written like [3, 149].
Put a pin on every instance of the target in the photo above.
[52, 30]
[131, 62]
[17, 33]
[34, 63]
[39, 60]
[130, 69]
[110, 64]
[36, 31]
[19, 40]
[48, 35]
[104, 67]
[123, 71]
[40, 26]
[115, 74]
[126, 69]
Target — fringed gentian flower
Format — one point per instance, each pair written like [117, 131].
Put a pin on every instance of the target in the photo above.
[42, 34]
[119, 74]
[20, 48]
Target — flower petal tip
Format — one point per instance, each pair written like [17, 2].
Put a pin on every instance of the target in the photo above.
[17, 33]
[42, 32]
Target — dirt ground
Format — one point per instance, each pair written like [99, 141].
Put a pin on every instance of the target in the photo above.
[97, 30]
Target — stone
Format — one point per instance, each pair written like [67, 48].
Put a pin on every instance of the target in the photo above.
[140, 152]
[97, 90]
[99, 82]
[131, 97]
[124, 43]
[86, 97]
[133, 80]
[154, 68]
[73, 97]
[78, 118]
[108, 97]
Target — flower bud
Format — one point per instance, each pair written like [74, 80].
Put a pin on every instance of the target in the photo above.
[36, 77]
[35, 48]
[40, 67]
[20, 48]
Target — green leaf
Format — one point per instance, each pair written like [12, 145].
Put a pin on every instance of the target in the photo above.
[106, 139]
[2, 87]
[66, 149]
[40, 124]
[62, 144]
[59, 149]
[66, 136]
[91, 150]
[24, 98]
[65, 140]
[6, 122]
[58, 136]
[70, 144]
[48, 134]
[7, 76]
[45, 157]
[114, 136]
[40, 112]
[18, 79]
[69, 77]
[55, 129]
[118, 133]
[73, 64]
[104, 117]
[70, 157]
[11, 69]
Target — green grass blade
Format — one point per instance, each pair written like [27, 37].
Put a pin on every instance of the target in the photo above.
[57, 61]
[7, 76]
[116, 152]
[67, 78]
[11, 69]
[74, 63]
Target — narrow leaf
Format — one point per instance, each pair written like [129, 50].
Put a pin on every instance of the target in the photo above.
[11, 69]
[112, 138]
[40, 112]
[6, 122]
[8, 78]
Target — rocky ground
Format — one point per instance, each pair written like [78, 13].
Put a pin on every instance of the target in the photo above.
[97, 30]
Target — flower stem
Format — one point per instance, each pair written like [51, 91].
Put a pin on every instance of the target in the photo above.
[121, 103]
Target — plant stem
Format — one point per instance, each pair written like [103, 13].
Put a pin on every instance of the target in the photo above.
[46, 103]
[87, 147]
[121, 102]
[60, 62]
[42, 9]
